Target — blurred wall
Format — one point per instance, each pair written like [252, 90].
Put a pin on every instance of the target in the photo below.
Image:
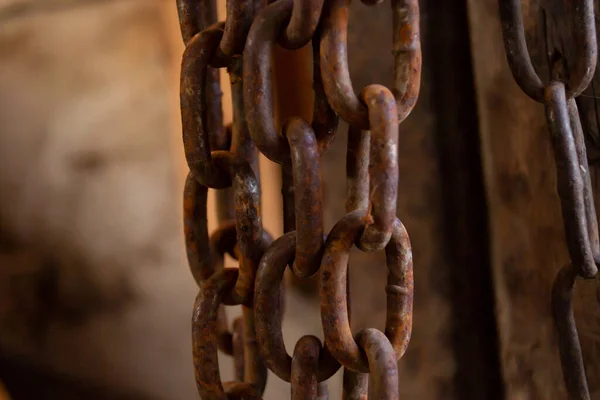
[94, 282]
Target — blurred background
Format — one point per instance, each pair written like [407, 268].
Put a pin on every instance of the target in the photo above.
[95, 293]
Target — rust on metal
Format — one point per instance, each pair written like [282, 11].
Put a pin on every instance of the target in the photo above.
[194, 109]
[357, 169]
[268, 323]
[303, 23]
[356, 385]
[568, 340]
[584, 34]
[226, 159]
[383, 376]
[334, 310]
[204, 338]
[570, 184]
[240, 14]
[258, 85]
[308, 196]
[305, 361]
[570, 155]
[238, 349]
[383, 167]
[334, 61]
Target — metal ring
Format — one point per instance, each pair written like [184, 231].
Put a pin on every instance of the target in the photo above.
[334, 269]
[240, 14]
[383, 375]
[570, 183]
[303, 23]
[519, 59]
[568, 340]
[334, 61]
[308, 194]
[383, 167]
[258, 88]
[204, 340]
[195, 16]
[194, 109]
[248, 222]
[305, 362]
[268, 315]
[324, 119]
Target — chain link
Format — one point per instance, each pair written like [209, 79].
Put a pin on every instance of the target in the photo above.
[225, 159]
[573, 180]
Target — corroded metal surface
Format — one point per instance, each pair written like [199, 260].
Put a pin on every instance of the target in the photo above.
[231, 164]
[570, 73]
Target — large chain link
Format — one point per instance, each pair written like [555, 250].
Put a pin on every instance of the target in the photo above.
[572, 170]
[225, 159]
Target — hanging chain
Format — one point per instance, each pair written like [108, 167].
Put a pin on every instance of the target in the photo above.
[573, 178]
[225, 159]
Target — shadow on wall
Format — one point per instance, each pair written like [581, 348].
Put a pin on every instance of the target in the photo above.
[89, 197]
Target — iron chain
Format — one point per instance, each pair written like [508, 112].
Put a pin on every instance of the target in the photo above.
[572, 170]
[225, 159]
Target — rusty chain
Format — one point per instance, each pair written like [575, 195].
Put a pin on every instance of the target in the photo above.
[225, 159]
[572, 170]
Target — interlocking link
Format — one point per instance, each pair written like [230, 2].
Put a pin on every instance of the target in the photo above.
[334, 61]
[303, 23]
[334, 309]
[305, 385]
[308, 193]
[573, 180]
[568, 340]
[584, 34]
[268, 322]
[570, 183]
[226, 159]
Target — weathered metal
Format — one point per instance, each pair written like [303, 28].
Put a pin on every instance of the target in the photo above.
[573, 181]
[226, 159]
[334, 309]
[268, 322]
[334, 61]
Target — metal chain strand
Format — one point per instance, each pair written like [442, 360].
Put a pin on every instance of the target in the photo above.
[334, 61]
[573, 180]
[334, 311]
[227, 159]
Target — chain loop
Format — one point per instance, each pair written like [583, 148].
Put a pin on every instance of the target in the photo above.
[519, 60]
[356, 385]
[194, 109]
[334, 269]
[204, 340]
[573, 180]
[570, 184]
[334, 61]
[568, 340]
[240, 14]
[225, 158]
[383, 167]
[304, 369]
[268, 320]
[303, 23]
[308, 193]
[381, 356]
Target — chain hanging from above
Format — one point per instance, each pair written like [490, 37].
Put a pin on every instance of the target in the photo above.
[572, 171]
[225, 159]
